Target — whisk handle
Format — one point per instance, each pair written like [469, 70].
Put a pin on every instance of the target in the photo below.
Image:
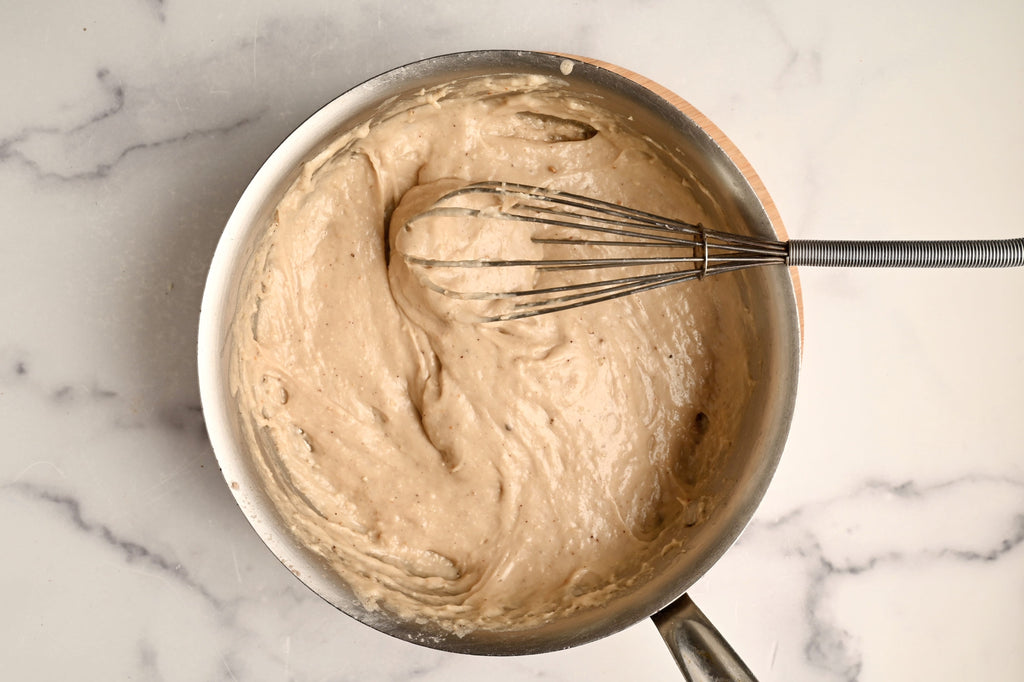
[966, 253]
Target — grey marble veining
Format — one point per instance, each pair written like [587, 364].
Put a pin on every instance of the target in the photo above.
[890, 543]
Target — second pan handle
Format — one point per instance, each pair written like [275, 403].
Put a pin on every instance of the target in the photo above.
[698, 647]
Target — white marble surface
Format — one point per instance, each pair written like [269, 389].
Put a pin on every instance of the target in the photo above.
[888, 548]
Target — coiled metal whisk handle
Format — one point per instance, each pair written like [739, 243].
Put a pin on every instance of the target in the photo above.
[957, 253]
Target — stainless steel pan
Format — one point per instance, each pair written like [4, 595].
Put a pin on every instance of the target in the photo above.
[746, 469]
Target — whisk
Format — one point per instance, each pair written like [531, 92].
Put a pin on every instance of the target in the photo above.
[674, 251]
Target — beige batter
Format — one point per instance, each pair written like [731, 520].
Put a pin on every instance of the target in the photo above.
[479, 475]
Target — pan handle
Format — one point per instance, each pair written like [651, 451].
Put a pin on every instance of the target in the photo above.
[700, 650]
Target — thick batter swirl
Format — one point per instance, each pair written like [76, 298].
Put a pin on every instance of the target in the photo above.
[479, 475]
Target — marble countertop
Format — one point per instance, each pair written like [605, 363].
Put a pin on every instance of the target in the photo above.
[891, 543]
